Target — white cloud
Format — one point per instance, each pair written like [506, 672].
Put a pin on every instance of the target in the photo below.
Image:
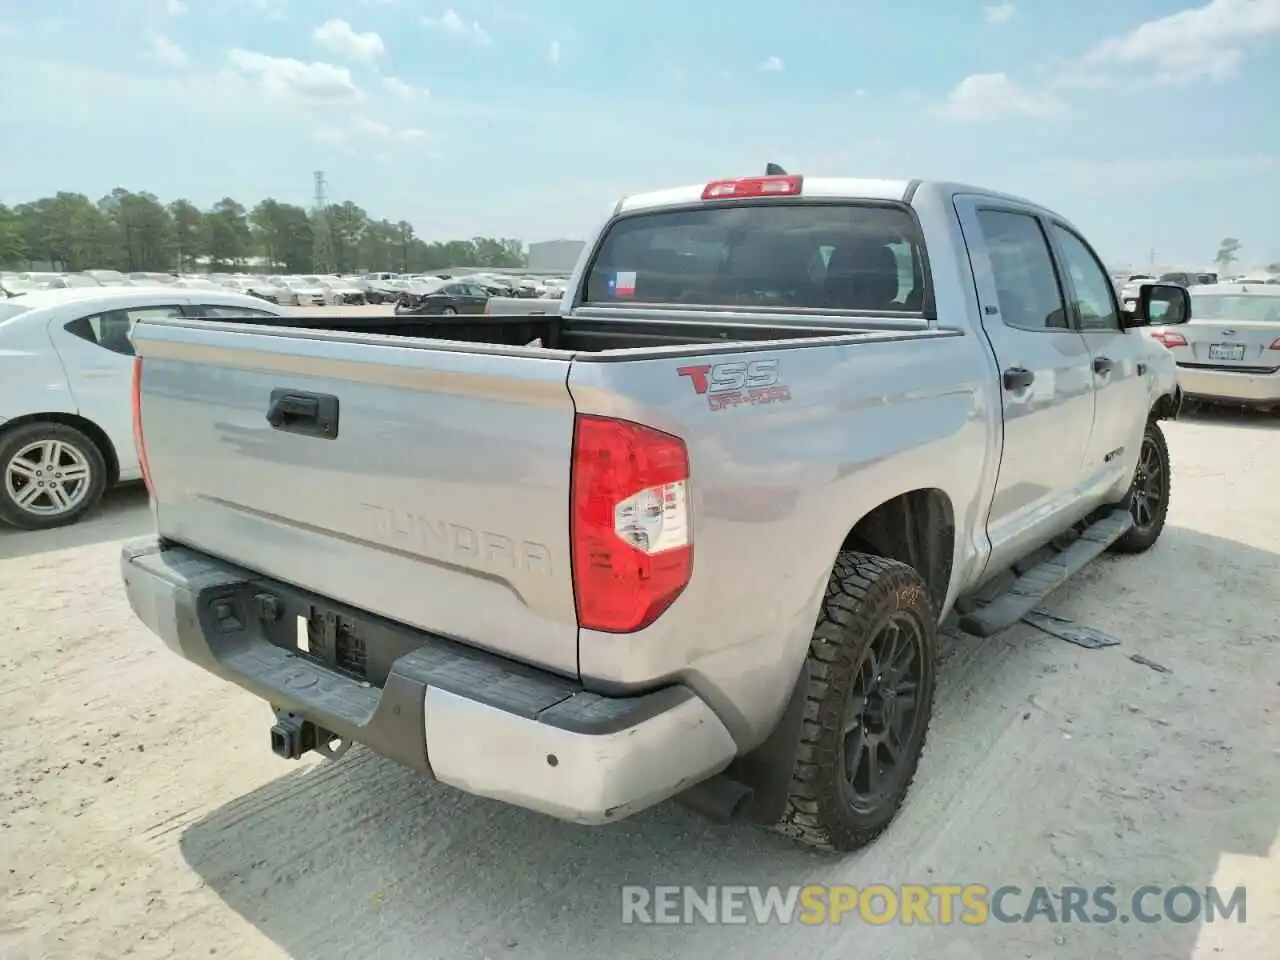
[1127, 172]
[268, 9]
[553, 51]
[1200, 43]
[332, 136]
[338, 37]
[771, 65]
[999, 13]
[286, 77]
[404, 91]
[174, 7]
[505, 14]
[367, 134]
[165, 51]
[452, 24]
[994, 96]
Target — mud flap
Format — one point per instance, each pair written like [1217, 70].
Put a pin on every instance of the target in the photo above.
[767, 770]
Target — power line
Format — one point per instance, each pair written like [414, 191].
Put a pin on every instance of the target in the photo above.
[322, 252]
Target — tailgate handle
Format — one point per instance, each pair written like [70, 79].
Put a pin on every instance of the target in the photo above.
[308, 414]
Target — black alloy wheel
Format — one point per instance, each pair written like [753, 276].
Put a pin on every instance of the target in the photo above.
[883, 713]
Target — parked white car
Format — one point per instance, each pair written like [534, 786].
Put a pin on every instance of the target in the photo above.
[194, 283]
[294, 291]
[71, 281]
[66, 367]
[342, 291]
[1230, 351]
[243, 285]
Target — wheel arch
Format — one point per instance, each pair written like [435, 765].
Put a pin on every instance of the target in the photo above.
[1167, 406]
[916, 528]
[77, 422]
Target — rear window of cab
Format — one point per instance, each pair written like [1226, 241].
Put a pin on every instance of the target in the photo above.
[786, 256]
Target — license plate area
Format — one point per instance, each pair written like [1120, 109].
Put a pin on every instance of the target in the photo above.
[350, 641]
[334, 640]
[1226, 351]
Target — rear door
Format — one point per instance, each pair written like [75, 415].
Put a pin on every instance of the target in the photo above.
[474, 299]
[1120, 373]
[96, 350]
[1047, 377]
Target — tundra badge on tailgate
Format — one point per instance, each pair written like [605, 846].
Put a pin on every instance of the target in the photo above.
[731, 384]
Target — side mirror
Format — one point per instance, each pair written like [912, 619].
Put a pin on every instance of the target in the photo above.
[1162, 304]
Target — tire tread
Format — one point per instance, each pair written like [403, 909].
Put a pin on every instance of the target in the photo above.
[1135, 541]
[843, 626]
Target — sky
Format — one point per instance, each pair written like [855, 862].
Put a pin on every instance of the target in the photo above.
[1152, 124]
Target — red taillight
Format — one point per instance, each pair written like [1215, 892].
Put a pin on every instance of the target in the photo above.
[1169, 339]
[138, 444]
[629, 523]
[1275, 345]
[778, 186]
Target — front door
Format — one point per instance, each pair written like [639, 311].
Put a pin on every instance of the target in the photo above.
[1046, 378]
[1122, 394]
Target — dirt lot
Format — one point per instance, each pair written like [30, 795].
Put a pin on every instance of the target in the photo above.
[142, 813]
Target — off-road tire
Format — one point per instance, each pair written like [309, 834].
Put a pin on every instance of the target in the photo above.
[11, 441]
[863, 592]
[1139, 540]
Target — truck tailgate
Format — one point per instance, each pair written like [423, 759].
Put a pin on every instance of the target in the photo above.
[441, 501]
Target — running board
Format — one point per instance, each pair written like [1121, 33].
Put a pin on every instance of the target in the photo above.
[1037, 582]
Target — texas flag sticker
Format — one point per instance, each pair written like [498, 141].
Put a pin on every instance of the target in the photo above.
[624, 284]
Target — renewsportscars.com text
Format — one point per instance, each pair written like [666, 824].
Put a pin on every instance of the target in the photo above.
[967, 904]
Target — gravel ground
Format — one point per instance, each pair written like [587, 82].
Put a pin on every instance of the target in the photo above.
[142, 813]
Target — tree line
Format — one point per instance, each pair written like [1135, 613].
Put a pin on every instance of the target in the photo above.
[1229, 253]
[131, 232]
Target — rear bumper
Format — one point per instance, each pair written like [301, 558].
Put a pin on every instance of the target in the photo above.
[482, 724]
[1223, 385]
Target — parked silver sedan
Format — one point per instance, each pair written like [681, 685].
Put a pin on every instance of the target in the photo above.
[1230, 350]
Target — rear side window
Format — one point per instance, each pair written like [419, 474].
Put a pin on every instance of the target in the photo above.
[785, 256]
[228, 313]
[113, 329]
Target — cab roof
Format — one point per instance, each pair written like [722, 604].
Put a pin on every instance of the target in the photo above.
[830, 188]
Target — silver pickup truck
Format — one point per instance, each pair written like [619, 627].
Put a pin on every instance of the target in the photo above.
[692, 537]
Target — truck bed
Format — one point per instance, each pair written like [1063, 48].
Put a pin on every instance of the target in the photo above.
[575, 334]
[419, 468]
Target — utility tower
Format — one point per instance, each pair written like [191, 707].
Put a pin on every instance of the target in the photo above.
[322, 253]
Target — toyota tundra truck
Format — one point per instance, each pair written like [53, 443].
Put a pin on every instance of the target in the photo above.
[692, 536]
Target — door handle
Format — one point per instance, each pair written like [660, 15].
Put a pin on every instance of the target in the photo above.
[308, 414]
[1018, 378]
[1142, 369]
[1102, 366]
